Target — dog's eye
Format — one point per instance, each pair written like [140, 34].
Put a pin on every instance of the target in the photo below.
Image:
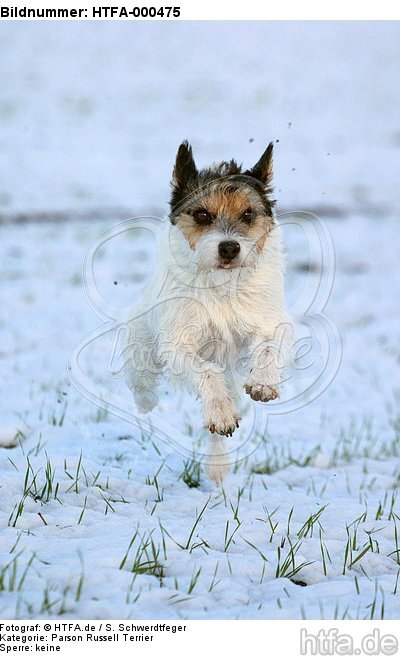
[202, 217]
[247, 216]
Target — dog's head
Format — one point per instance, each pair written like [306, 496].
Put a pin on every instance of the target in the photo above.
[224, 213]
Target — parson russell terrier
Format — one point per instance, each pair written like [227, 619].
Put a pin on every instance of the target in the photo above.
[217, 298]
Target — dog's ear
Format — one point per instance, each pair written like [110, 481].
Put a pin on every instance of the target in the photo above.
[263, 170]
[185, 168]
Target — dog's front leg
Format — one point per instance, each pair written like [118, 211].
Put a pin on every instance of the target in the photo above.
[220, 415]
[143, 367]
[268, 359]
[208, 380]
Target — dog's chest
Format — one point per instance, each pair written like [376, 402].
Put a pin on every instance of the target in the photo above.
[229, 318]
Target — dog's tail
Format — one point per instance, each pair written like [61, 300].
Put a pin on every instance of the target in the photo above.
[216, 465]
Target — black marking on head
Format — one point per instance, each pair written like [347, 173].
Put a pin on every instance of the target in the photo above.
[262, 171]
[185, 172]
[187, 180]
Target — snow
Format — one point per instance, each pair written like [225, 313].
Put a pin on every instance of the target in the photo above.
[91, 118]
[93, 113]
[9, 437]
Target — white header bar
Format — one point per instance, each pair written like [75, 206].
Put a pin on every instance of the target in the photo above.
[205, 10]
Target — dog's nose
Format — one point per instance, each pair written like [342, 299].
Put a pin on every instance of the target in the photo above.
[228, 249]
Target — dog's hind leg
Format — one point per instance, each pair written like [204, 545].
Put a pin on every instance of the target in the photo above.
[216, 466]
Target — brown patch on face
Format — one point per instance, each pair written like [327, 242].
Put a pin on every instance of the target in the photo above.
[259, 231]
[226, 206]
[190, 230]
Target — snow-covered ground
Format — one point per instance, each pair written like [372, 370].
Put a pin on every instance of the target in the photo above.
[99, 518]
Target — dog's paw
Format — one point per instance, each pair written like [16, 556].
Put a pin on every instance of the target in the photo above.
[263, 393]
[145, 401]
[221, 417]
[226, 427]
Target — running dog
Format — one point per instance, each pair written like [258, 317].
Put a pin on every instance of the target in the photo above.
[218, 297]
